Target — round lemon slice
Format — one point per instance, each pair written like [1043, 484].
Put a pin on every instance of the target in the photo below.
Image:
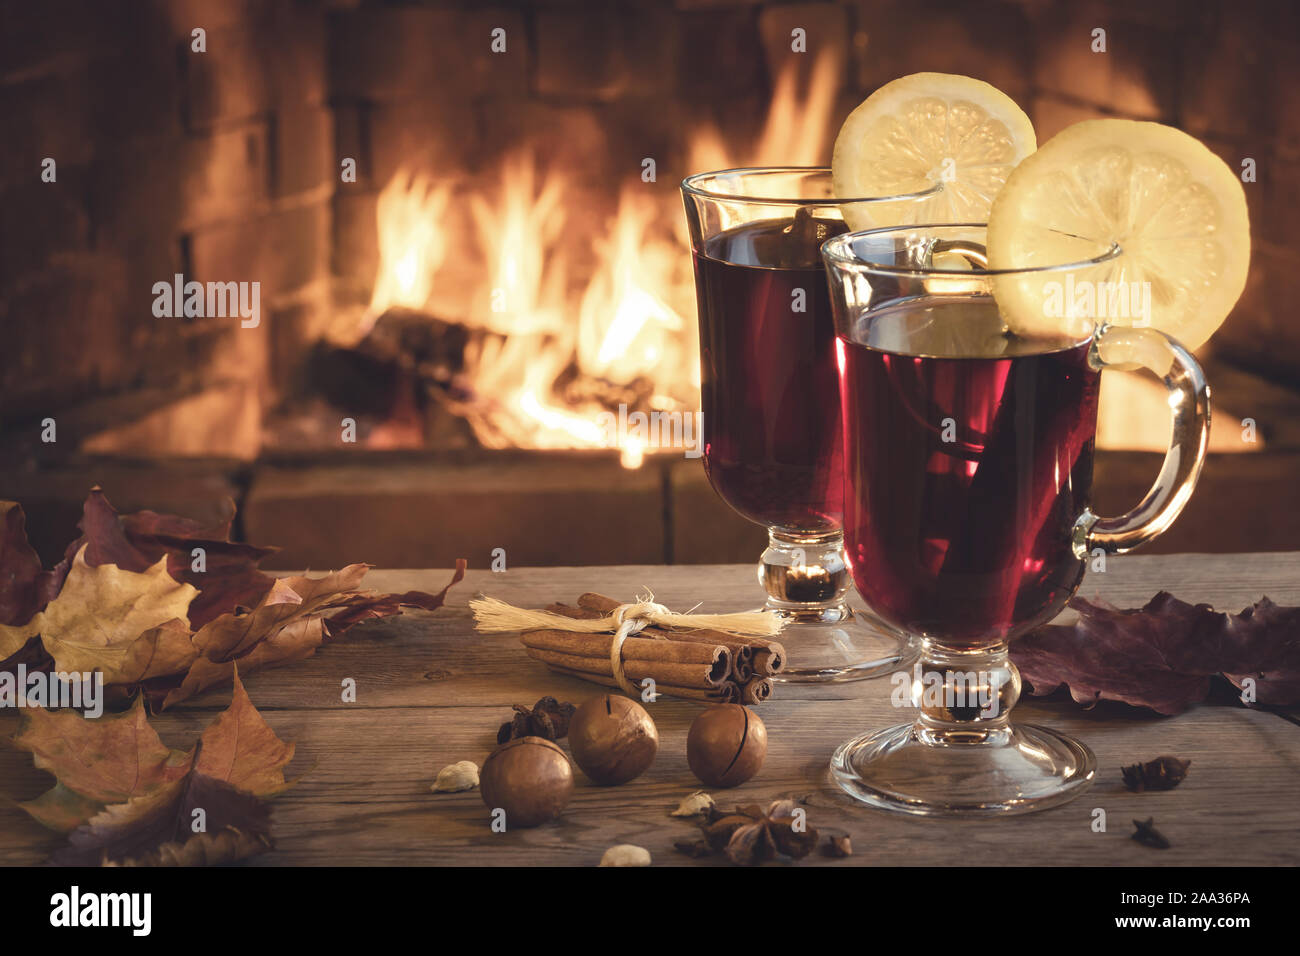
[926, 130]
[1174, 210]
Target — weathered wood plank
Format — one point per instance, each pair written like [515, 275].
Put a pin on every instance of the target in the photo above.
[431, 692]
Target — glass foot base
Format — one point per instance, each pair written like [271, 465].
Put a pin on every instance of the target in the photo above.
[835, 644]
[1016, 769]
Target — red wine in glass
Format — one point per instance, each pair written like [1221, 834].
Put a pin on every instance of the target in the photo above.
[773, 443]
[771, 434]
[970, 459]
[968, 471]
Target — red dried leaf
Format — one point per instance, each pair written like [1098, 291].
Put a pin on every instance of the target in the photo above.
[369, 605]
[1163, 655]
[25, 586]
[1272, 632]
[136, 541]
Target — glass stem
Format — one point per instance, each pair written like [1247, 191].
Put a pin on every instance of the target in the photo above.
[805, 576]
[964, 696]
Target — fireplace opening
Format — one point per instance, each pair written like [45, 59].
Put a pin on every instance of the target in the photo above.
[411, 282]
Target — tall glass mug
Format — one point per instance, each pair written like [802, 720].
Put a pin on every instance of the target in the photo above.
[968, 469]
[772, 440]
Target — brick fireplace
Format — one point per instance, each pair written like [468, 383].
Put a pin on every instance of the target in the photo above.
[272, 153]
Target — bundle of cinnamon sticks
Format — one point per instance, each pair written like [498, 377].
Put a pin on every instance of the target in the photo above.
[703, 665]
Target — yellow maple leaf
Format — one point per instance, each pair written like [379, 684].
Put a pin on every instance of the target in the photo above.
[14, 636]
[128, 625]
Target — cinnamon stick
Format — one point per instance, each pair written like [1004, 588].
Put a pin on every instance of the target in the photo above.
[728, 692]
[742, 663]
[580, 613]
[634, 648]
[769, 656]
[755, 691]
[661, 672]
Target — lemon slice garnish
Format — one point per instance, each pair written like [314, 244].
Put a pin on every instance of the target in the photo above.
[927, 129]
[1175, 210]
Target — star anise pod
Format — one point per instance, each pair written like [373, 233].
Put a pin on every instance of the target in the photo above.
[1145, 832]
[1163, 773]
[754, 835]
[547, 718]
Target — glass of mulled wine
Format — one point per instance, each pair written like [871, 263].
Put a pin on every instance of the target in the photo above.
[771, 434]
[968, 457]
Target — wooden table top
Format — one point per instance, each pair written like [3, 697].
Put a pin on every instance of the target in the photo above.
[430, 692]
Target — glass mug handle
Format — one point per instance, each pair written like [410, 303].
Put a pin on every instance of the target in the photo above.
[1189, 399]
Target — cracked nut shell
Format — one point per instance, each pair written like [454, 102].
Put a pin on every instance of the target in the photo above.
[612, 739]
[726, 745]
[530, 778]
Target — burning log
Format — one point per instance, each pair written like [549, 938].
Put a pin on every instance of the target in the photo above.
[405, 370]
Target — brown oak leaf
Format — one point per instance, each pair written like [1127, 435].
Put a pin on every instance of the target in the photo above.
[1163, 655]
[287, 625]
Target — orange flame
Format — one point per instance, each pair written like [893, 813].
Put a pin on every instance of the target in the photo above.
[412, 246]
[548, 358]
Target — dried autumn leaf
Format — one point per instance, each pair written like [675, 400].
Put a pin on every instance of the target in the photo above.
[131, 831]
[83, 629]
[285, 626]
[366, 605]
[14, 639]
[229, 577]
[25, 587]
[233, 635]
[1273, 631]
[292, 642]
[1163, 655]
[204, 849]
[128, 625]
[289, 624]
[96, 762]
[115, 758]
[240, 748]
